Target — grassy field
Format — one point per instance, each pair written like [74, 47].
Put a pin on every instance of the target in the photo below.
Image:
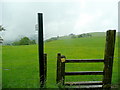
[20, 63]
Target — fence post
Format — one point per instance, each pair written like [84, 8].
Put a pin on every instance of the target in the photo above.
[58, 76]
[108, 58]
[62, 69]
[40, 47]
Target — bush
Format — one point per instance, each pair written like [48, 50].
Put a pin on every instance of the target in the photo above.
[84, 35]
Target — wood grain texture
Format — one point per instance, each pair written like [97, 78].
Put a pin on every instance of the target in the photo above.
[108, 58]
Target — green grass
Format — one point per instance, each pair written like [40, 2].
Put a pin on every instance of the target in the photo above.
[20, 63]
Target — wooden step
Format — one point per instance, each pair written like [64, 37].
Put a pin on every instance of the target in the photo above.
[85, 73]
[88, 87]
[84, 83]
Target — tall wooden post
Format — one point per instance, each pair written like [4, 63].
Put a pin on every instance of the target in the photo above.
[108, 58]
[40, 47]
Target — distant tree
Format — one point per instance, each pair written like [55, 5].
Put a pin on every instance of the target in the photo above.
[84, 35]
[57, 36]
[16, 43]
[2, 28]
[32, 42]
[24, 41]
[89, 35]
[79, 36]
[73, 36]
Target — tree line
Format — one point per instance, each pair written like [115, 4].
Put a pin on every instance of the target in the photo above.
[71, 36]
[80, 35]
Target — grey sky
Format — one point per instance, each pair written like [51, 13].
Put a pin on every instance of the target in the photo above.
[60, 18]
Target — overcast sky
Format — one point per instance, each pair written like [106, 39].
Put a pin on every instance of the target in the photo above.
[61, 17]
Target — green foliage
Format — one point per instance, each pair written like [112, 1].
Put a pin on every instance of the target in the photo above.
[72, 35]
[79, 36]
[84, 35]
[24, 41]
[32, 42]
[2, 28]
[16, 43]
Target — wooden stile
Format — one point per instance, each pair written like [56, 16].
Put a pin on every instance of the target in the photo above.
[108, 61]
[107, 72]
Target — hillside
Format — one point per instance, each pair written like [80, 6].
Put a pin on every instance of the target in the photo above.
[84, 35]
[98, 34]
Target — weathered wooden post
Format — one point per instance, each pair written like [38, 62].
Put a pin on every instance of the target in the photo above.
[63, 58]
[42, 57]
[58, 68]
[108, 58]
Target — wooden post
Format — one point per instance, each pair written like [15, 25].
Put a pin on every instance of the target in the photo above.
[63, 58]
[108, 58]
[40, 47]
[58, 68]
